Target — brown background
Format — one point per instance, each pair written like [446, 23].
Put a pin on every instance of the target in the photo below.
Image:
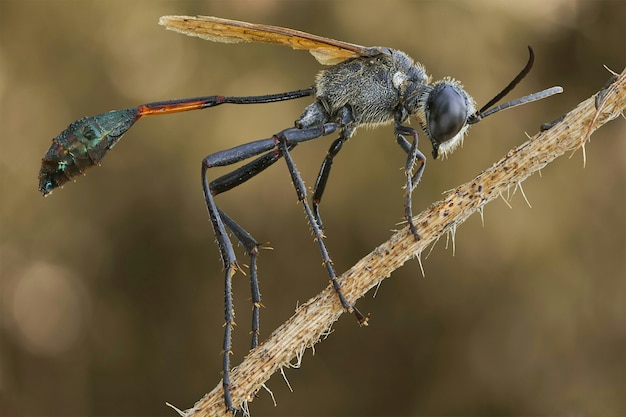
[111, 291]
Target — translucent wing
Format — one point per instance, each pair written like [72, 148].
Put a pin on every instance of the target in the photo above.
[326, 51]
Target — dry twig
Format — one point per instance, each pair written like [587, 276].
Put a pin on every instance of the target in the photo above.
[315, 317]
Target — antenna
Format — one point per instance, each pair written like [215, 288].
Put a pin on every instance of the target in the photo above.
[484, 112]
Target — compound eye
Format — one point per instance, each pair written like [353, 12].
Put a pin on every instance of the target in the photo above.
[446, 112]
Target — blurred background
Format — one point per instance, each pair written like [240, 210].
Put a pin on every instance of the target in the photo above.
[111, 296]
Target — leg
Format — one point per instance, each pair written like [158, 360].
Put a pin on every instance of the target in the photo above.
[322, 177]
[220, 221]
[229, 262]
[317, 231]
[251, 247]
[413, 155]
[346, 120]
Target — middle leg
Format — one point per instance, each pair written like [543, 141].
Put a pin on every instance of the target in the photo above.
[317, 231]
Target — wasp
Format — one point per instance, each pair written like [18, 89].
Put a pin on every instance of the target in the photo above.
[362, 86]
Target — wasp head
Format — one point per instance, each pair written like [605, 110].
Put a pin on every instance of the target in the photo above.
[445, 110]
[443, 114]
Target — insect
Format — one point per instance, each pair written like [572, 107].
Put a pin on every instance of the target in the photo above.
[364, 86]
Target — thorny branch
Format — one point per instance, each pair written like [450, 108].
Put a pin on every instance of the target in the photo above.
[313, 319]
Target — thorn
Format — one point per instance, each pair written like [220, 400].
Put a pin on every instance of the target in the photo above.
[376, 289]
[282, 372]
[481, 210]
[519, 184]
[505, 201]
[269, 392]
[178, 410]
[419, 259]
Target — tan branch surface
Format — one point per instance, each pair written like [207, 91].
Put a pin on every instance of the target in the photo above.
[312, 319]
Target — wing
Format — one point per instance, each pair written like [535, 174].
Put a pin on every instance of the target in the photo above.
[326, 51]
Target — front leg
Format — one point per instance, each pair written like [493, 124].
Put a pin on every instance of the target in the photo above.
[413, 155]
